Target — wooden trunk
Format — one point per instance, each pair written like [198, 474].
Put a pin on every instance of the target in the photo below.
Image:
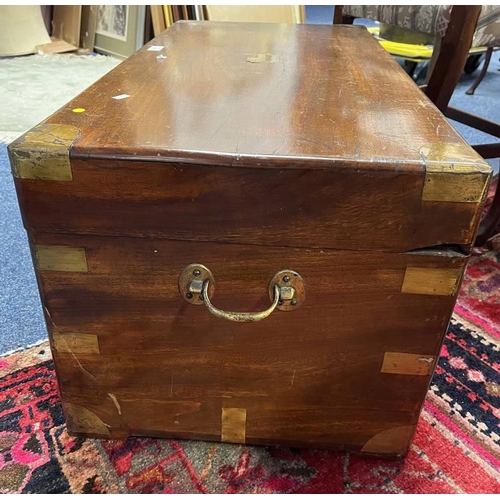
[249, 149]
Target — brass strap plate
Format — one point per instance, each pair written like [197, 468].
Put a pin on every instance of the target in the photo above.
[76, 343]
[61, 258]
[233, 425]
[431, 281]
[43, 153]
[454, 173]
[403, 363]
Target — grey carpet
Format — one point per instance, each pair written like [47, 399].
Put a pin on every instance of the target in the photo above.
[21, 318]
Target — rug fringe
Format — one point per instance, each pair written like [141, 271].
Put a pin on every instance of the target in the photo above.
[23, 348]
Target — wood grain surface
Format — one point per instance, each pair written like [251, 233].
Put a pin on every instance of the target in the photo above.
[250, 149]
[327, 93]
[329, 143]
[309, 377]
[344, 208]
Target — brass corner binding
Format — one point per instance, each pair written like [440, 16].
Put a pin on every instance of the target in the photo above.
[81, 419]
[431, 281]
[395, 440]
[43, 153]
[459, 183]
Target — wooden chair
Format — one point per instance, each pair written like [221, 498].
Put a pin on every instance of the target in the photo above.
[446, 67]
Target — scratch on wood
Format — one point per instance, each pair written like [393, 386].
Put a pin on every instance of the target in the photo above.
[218, 130]
[262, 58]
[115, 401]
[293, 377]
[319, 143]
[426, 360]
[49, 316]
[83, 369]
[172, 385]
[79, 343]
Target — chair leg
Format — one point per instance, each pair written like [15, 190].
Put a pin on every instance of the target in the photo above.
[484, 69]
[337, 14]
[453, 53]
[490, 225]
[488, 150]
[339, 18]
[432, 62]
[474, 121]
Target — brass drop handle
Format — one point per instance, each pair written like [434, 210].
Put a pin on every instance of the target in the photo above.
[286, 290]
[247, 317]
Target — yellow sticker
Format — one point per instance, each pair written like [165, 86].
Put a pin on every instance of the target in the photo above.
[79, 110]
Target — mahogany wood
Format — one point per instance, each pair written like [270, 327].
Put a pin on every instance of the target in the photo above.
[344, 207]
[321, 165]
[309, 377]
[250, 149]
[221, 106]
[445, 68]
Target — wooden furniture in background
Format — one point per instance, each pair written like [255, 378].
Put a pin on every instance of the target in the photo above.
[72, 29]
[484, 70]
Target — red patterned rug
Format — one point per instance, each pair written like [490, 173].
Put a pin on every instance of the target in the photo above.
[456, 447]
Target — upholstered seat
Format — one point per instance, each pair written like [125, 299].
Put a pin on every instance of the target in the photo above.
[430, 19]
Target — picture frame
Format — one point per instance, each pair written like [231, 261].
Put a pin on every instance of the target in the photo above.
[120, 29]
[112, 21]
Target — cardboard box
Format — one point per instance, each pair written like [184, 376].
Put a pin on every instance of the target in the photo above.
[73, 30]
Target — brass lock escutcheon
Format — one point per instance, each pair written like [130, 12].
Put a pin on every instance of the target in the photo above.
[286, 290]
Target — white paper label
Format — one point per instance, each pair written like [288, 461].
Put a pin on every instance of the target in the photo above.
[156, 48]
